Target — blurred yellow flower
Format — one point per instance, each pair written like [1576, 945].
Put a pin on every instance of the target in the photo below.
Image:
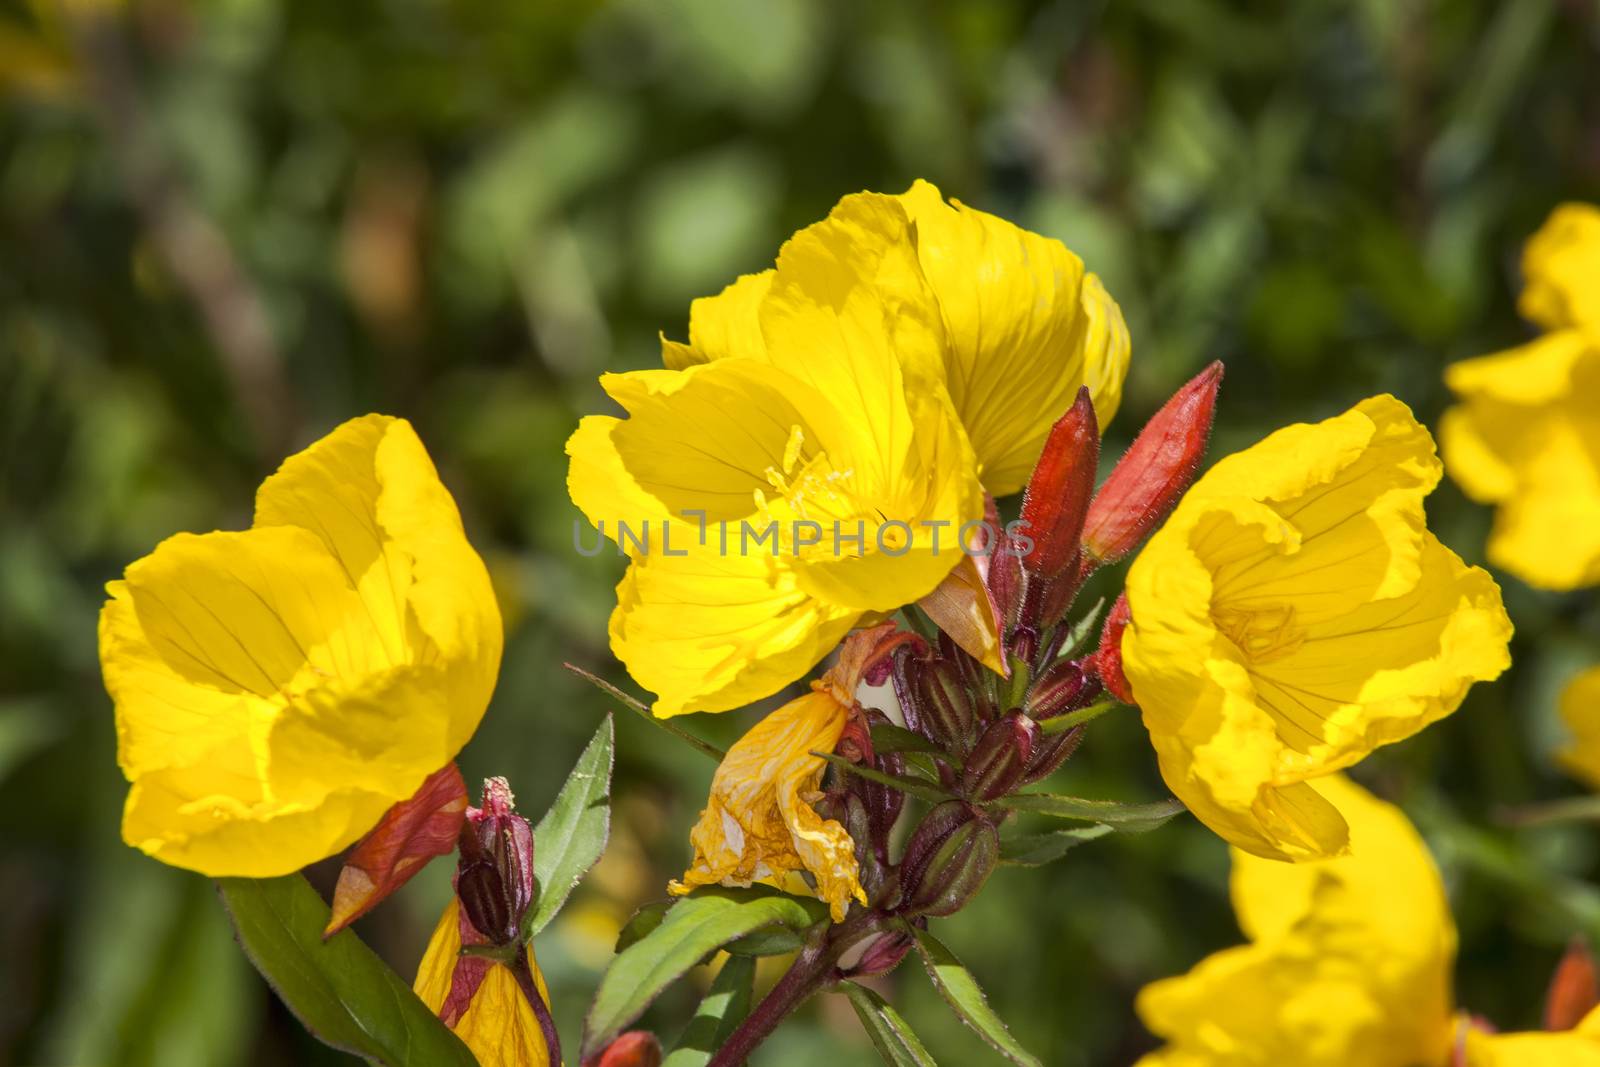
[1580, 710]
[278, 689]
[497, 1024]
[1348, 962]
[759, 825]
[1526, 434]
[1295, 613]
[1024, 327]
[813, 474]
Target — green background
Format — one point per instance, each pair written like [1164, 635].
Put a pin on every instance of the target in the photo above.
[462, 213]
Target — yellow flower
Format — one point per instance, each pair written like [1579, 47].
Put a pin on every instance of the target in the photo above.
[759, 825]
[898, 351]
[1574, 1048]
[1025, 327]
[1295, 613]
[842, 429]
[279, 688]
[1348, 962]
[497, 1024]
[1580, 710]
[1526, 435]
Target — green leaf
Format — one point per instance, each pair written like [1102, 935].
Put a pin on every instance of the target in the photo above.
[893, 1039]
[960, 990]
[1035, 850]
[573, 833]
[696, 925]
[725, 1005]
[1082, 631]
[1126, 818]
[644, 713]
[642, 922]
[887, 737]
[1062, 723]
[905, 783]
[339, 989]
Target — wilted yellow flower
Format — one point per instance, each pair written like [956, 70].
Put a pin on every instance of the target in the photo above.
[278, 689]
[1295, 613]
[1580, 710]
[1526, 435]
[497, 1024]
[817, 470]
[1348, 962]
[894, 344]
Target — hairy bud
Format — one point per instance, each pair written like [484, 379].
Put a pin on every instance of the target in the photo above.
[1574, 989]
[494, 878]
[1000, 757]
[1057, 497]
[953, 860]
[883, 954]
[1148, 481]
[1060, 688]
[945, 707]
[636, 1048]
[1108, 659]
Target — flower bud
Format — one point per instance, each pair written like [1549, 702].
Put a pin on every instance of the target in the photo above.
[1057, 497]
[1108, 659]
[948, 859]
[1149, 479]
[883, 954]
[1574, 990]
[1060, 688]
[850, 811]
[636, 1048]
[945, 707]
[494, 878]
[1000, 757]
[1050, 752]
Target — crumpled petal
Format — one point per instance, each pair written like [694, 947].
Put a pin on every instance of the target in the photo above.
[1348, 962]
[497, 1023]
[1293, 614]
[1027, 327]
[758, 824]
[278, 689]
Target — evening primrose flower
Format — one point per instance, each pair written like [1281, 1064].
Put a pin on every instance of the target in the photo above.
[1293, 614]
[1025, 327]
[819, 475]
[479, 999]
[1348, 962]
[278, 689]
[1526, 433]
[1580, 710]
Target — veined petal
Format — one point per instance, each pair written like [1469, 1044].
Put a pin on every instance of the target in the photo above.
[758, 824]
[498, 1025]
[1349, 960]
[712, 630]
[1562, 266]
[722, 326]
[1026, 326]
[1295, 613]
[1580, 711]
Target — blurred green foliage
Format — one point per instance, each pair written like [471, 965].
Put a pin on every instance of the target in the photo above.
[227, 226]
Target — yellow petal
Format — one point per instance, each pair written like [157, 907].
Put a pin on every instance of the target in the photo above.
[709, 632]
[1562, 267]
[1580, 711]
[1348, 963]
[278, 689]
[1526, 436]
[499, 1026]
[1572, 1049]
[962, 607]
[1295, 613]
[1027, 327]
[723, 325]
[758, 824]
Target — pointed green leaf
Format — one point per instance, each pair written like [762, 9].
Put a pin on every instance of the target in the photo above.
[960, 990]
[915, 787]
[725, 1005]
[887, 737]
[705, 747]
[696, 925]
[339, 989]
[891, 1036]
[1035, 850]
[1126, 818]
[573, 833]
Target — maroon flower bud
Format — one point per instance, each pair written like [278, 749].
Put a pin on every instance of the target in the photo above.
[1060, 688]
[1000, 757]
[883, 954]
[945, 706]
[872, 849]
[1050, 752]
[1057, 497]
[636, 1048]
[1149, 479]
[1108, 659]
[948, 859]
[494, 877]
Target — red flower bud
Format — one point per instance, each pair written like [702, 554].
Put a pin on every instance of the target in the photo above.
[999, 758]
[636, 1048]
[1108, 659]
[1149, 479]
[1057, 498]
[1574, 990]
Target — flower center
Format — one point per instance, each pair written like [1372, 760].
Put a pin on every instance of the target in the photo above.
[1264, 634]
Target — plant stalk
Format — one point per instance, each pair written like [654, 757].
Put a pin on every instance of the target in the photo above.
[541, 1010]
